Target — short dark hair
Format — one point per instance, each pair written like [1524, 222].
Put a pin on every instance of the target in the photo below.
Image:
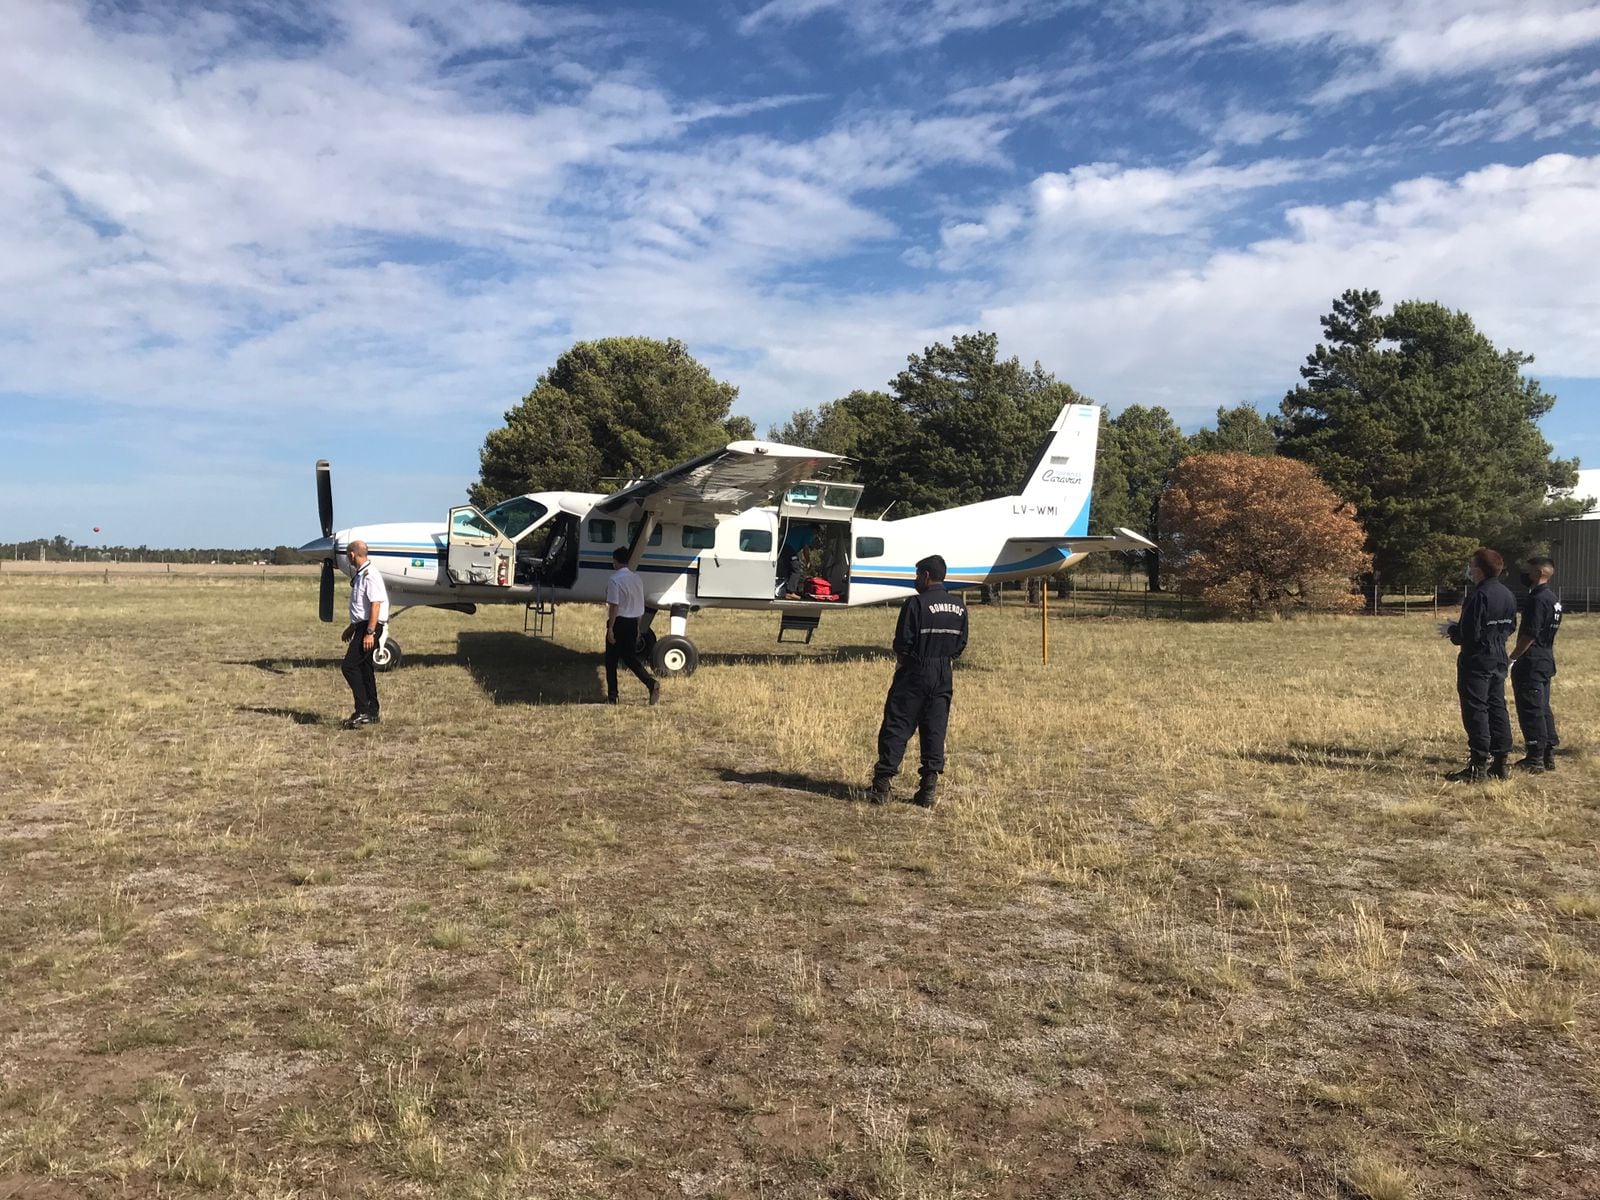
[1488, 561]
[933, 567]
[1541, 562]
[620, 554]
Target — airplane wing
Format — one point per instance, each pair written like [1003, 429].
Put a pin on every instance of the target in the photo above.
[703, 490]
[1121, 539]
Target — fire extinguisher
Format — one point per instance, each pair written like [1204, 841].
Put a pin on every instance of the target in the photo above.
[500, 572]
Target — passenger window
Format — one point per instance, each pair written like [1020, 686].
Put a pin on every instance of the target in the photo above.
[698, 537]
[602, 533]
[869, 547]
[633, 532]
[755, 541]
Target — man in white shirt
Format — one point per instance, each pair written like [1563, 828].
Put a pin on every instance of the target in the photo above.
[369, 600]
[624, 608]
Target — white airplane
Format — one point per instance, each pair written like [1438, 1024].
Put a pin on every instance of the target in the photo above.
[754, 525]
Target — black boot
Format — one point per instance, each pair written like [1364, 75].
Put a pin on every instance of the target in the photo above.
[1533, 764]
[880, 789]
[1499, 768]
[1476, 771]
[927, 791]
[1550, 757]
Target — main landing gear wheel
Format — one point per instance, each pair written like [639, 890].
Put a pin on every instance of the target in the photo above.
[387, 656]
[647, 645]
[674, 655]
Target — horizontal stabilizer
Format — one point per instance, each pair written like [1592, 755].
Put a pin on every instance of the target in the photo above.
[1121, 539]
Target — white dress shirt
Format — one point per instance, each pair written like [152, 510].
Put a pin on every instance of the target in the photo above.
[366, 589]
[626, 591]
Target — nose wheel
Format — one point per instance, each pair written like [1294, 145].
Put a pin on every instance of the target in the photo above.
[386, 655]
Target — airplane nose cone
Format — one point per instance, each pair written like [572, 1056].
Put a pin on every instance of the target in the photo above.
[320, 546]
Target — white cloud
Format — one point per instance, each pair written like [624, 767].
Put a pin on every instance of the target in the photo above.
[1101, 197]
[889, 25]
[1418, 40]
[1514, 246]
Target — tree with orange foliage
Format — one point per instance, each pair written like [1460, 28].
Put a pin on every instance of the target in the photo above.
[1254, 535]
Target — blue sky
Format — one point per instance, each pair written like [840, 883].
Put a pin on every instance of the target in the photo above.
[240, 237]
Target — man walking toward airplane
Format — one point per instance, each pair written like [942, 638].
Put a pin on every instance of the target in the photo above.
[931, 633]
[1533, 665]
[368, 601]
[1486, 622]
[624, 608]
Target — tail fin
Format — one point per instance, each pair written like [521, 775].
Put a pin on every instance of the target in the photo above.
[1062, 480]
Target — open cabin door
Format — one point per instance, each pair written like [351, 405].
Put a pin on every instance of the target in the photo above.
[814, 540]
[478, 553]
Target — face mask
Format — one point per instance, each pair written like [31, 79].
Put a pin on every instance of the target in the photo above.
[1528, 581]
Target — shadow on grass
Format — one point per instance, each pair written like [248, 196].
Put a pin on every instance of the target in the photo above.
[833, 789]
[298, 715]
[282, 666]
[1329, 756]
[795, 652]
[513, 668]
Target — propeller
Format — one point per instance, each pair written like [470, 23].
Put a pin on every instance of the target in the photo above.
[325, 511]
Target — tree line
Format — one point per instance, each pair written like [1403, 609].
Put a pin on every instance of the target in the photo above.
[61, 548]
[1410, 422]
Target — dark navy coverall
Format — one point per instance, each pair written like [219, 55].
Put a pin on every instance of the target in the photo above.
[932, 631]
[1530, 678]
[1486, 622]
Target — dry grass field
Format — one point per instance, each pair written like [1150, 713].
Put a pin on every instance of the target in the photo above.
[1197, 917]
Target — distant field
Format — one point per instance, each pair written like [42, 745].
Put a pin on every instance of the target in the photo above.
[1197, 917]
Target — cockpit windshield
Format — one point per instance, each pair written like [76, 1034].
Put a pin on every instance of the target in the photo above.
[516, 516]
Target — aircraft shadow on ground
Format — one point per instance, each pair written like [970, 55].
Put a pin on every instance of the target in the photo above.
[1329, 756]
[282, 666]
[795, 652]
[833, 789]
[513, 668]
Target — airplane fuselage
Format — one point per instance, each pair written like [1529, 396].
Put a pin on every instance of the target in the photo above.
[882, 557]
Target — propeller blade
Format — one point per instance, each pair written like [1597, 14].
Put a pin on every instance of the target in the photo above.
[325, 601]
[325, 496]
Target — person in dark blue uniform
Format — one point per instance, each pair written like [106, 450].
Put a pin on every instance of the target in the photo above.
[931, 633]
[1487, 619]
[1533, 665]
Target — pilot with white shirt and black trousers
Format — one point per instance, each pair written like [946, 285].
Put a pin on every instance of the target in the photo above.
[624, 609]
[930, 635]
[369, 600]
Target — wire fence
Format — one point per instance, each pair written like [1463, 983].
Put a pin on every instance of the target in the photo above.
[1111, 594]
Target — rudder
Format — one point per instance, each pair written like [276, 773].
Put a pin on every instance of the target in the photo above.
[1062, 478]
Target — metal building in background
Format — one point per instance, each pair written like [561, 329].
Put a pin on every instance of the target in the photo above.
[1575, 545]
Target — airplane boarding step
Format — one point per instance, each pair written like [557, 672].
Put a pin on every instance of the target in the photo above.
[799, 622]
[539, 615]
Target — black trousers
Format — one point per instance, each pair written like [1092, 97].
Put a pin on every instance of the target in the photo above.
[359, 673]
[626, 651]
[918, 702]
[1481, 684]
[1530, 684]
